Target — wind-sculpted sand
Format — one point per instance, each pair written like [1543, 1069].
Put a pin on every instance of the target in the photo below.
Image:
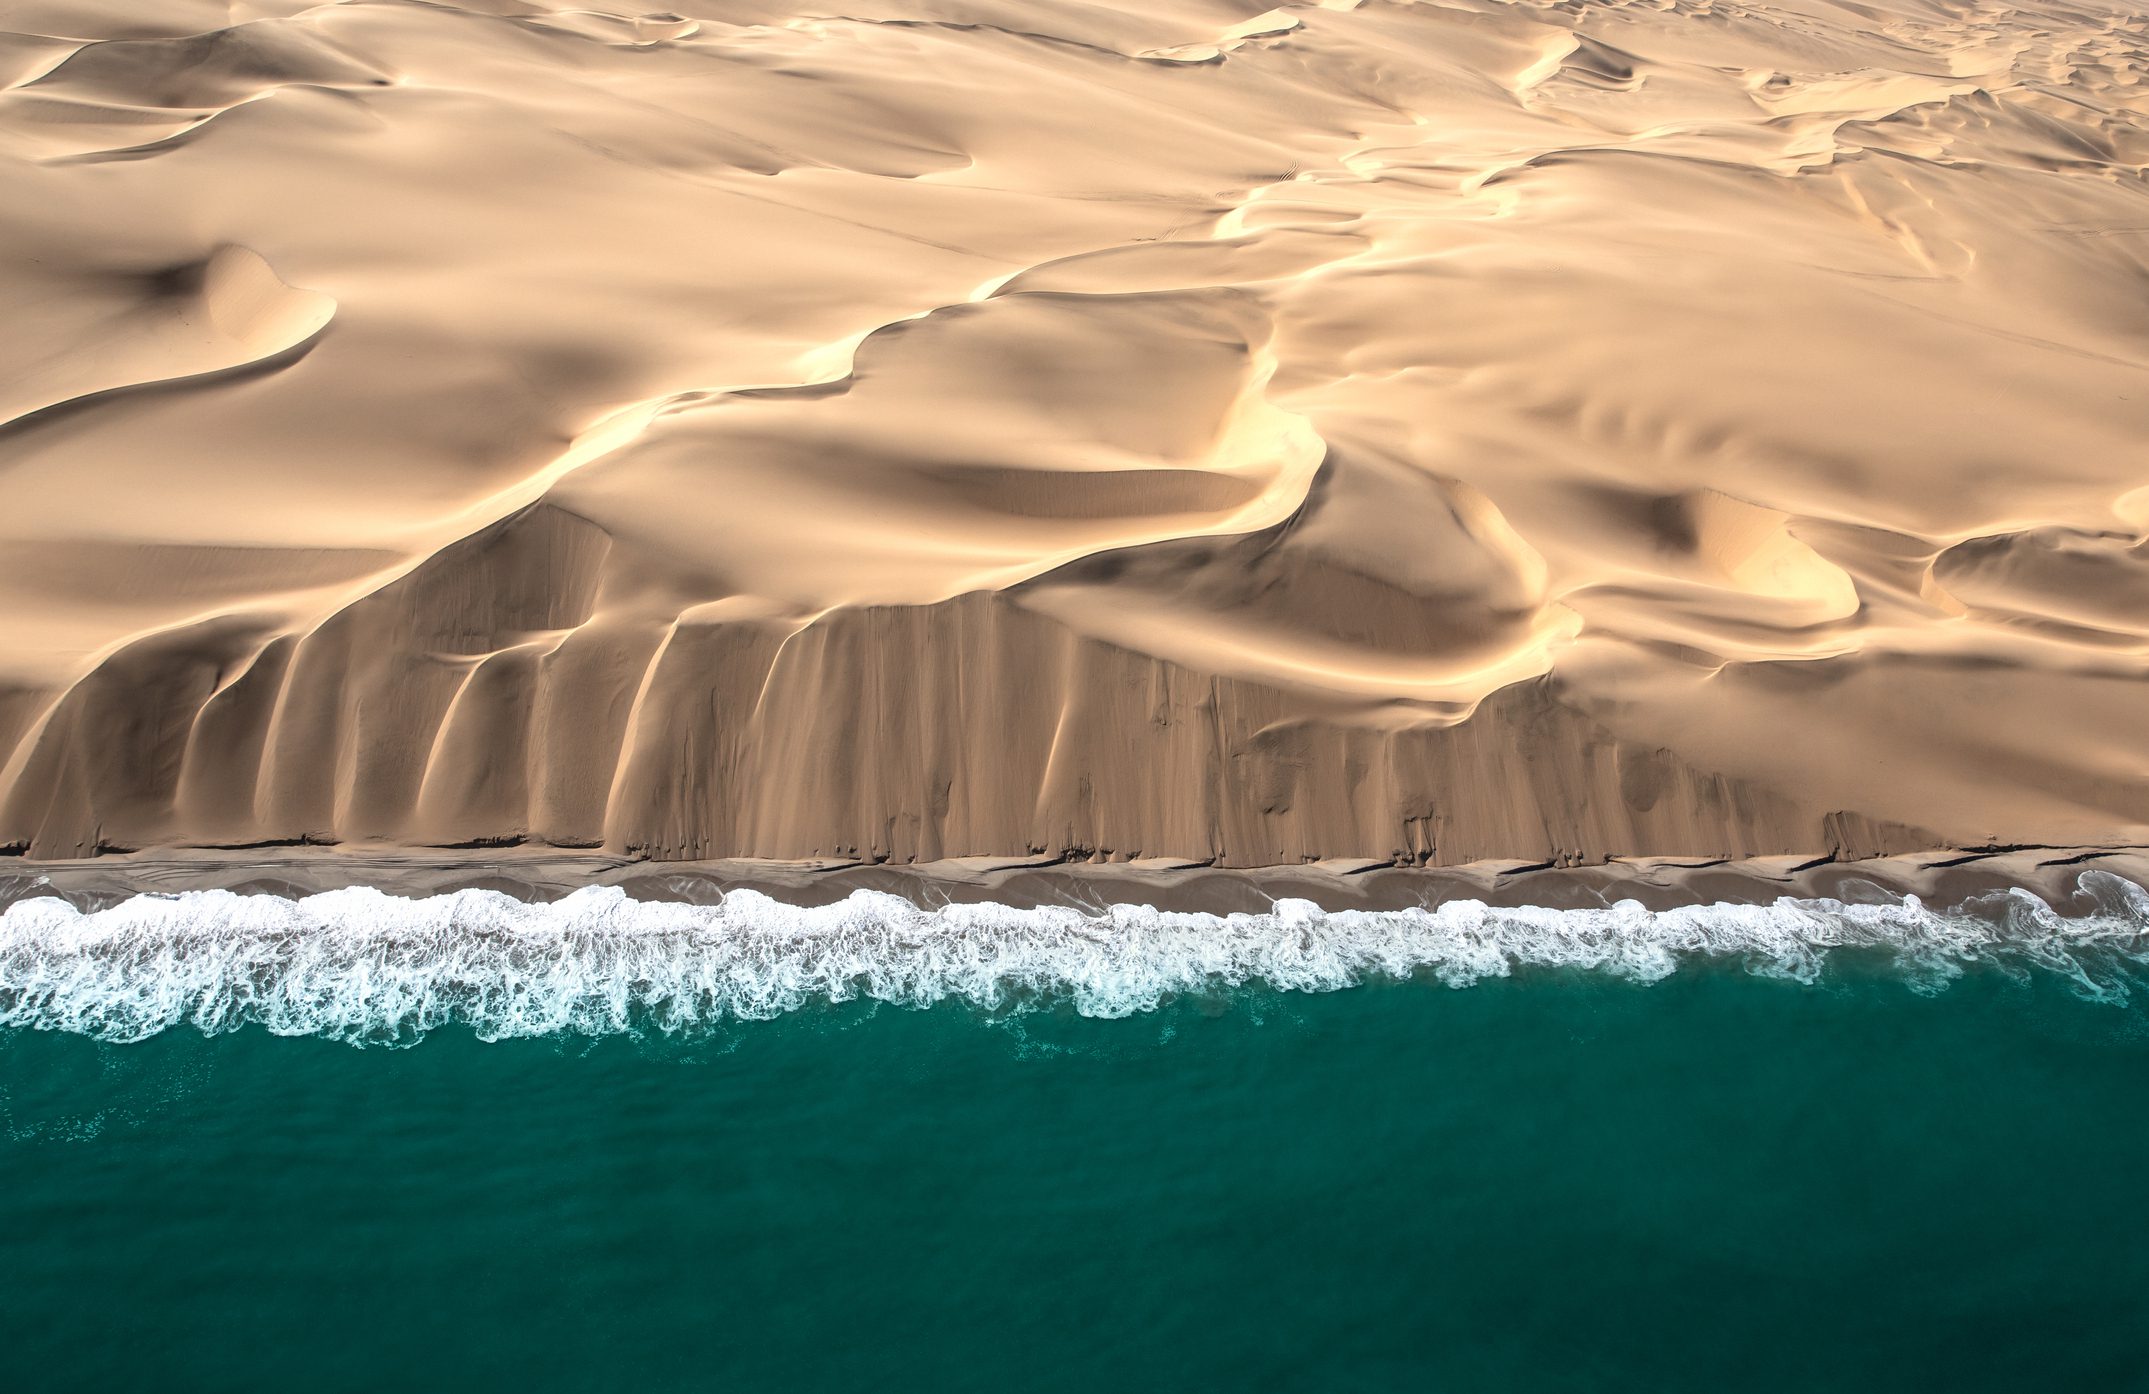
[938, 428]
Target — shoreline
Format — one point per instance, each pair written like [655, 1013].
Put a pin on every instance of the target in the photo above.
[1941, 876]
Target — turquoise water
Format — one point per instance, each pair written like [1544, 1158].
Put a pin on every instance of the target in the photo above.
[1865, 1174]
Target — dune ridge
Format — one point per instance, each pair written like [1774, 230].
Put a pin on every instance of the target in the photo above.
[1386, 429]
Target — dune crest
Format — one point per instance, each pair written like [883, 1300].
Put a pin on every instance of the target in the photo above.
[1415, 429]
[228, 310]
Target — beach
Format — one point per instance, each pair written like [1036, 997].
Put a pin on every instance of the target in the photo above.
[1074, 694]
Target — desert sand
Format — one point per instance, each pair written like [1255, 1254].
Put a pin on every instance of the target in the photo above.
[908, 430]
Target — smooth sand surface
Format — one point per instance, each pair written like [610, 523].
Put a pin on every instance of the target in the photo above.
[914, 430]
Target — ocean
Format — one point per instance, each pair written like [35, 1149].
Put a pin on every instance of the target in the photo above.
[354, 1143]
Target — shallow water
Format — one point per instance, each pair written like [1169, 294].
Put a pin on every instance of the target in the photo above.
[1880, 1168]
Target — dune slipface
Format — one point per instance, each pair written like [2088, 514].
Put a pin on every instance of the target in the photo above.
[1161, 429]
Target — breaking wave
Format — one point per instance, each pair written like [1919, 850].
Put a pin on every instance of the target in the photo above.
[365, 967]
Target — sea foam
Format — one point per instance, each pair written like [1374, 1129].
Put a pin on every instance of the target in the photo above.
[365, 967]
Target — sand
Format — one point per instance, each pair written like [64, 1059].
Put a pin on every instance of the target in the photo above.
[1176, 432]
[2074, 882]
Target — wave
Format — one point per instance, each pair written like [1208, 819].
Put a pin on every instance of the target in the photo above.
[362, 966]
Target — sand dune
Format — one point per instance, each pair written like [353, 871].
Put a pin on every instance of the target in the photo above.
[1191, 429]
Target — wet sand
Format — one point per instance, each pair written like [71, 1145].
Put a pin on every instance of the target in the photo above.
[1938, 878]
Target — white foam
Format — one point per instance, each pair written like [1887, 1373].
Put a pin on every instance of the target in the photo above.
[362, 966]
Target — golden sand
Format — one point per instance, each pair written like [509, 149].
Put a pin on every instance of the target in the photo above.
[1159, 429]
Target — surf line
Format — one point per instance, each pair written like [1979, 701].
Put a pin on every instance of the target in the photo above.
[366, 967]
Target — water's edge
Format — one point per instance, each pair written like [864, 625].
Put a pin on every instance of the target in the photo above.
[360, 965]
[532, 872]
